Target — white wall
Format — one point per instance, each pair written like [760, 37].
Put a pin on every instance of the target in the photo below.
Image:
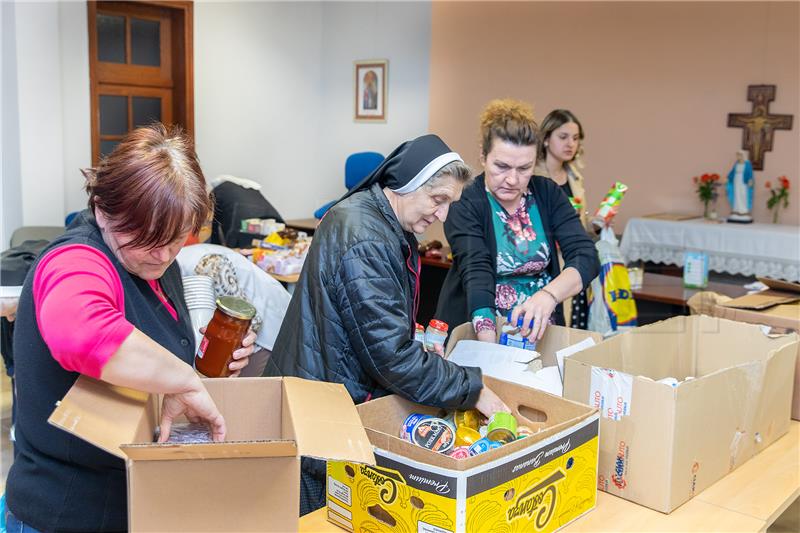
[274, 90]
[10, 183]
[397, 31]
[273, 97]
[257, 96]
[46, 127]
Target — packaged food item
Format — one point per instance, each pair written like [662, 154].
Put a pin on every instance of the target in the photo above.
[408, 425]
[483, 445]
[466, 436]
[187, 433]
[502, 427]
[419, 333]
[433, 434]
[610, 205]
[510, 334]
[223, 336]
[435, 336]
[460, 452]
[469, 418]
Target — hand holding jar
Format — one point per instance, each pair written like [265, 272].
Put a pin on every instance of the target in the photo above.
[228, 340]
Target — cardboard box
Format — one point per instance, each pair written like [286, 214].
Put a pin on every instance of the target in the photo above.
[554, 339]
[537, 483]
[250, 482]
[779, 308]
[662, 444]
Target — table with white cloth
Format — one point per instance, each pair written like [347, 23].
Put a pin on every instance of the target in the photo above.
[768, 250]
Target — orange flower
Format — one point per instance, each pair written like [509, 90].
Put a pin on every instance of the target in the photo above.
[768, 185]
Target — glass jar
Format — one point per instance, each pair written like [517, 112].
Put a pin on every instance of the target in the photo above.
[435, 336]
[224, 334]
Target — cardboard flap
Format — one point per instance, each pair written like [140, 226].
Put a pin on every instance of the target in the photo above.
[325, 422]
[219, 450]
[101, 414]
[762, 300]
[781, 285]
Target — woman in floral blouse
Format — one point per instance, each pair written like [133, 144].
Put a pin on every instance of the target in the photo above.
[504, 234]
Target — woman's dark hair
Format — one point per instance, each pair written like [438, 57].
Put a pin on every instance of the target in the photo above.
[554, 120]
[151, 187]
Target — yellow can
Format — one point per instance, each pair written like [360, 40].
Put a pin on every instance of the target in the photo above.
[466, 436]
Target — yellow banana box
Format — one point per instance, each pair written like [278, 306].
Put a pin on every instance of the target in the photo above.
[540, 483]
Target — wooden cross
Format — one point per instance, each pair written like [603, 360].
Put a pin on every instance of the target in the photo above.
[759, 126]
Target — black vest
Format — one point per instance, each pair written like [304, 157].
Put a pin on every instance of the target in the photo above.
[59, 482]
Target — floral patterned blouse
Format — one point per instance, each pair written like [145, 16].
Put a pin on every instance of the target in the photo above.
[523, 256]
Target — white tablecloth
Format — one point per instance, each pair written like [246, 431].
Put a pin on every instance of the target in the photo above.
[770, 250]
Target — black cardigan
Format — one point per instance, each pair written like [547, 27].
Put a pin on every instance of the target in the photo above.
[470, 283]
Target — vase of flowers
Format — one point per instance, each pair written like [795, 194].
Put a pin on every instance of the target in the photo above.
[706, 187]
[778, 197]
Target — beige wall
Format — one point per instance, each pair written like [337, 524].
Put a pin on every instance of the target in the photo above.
[652, 83]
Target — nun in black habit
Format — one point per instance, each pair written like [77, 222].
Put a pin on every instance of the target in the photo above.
[351, 319]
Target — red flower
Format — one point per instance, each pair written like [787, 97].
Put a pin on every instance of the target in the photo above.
[768, 185]
[784, 182]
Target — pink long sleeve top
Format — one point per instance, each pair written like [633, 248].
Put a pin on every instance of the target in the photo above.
[80, 307]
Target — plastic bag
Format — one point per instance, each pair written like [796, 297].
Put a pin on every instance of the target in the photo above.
[611, 303]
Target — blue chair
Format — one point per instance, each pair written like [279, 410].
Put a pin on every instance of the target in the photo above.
[357, 167]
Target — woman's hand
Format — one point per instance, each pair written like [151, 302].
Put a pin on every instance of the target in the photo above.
[489, 403]
[536, 310]
[487, 335]
[241, 357]
[197, 405]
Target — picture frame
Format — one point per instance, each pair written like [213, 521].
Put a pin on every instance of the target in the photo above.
[371, 82]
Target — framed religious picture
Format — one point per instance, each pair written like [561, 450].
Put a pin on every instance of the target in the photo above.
[370, 88]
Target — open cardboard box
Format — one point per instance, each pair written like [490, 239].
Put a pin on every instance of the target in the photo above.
[542, 481]
[660, 444]
[777, 307]
[555, 338]
[250, 482]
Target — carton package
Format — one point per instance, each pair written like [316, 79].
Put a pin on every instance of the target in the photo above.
[250, 482]
[540, 483]
[544, 373]
[777, 307]
[682, 403]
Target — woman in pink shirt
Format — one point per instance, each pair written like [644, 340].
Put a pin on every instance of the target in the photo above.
[106, 300]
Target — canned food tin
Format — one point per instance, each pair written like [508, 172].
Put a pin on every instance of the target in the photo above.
[460, 452]
[433, 434]
[466, 436]
[408, 425]
[483, 445]
[470, 418]
[502, 427]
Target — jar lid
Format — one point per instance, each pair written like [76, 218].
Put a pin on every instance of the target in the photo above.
[438, 324]
[236, 307]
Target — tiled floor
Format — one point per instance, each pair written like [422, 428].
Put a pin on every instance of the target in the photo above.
[789, 522]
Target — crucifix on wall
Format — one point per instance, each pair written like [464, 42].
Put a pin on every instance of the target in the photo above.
[759, 126]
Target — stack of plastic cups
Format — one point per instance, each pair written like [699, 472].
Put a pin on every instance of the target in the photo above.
[201, 301]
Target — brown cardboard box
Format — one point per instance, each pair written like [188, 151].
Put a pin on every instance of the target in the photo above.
[543, 481]
[554, 339]
[250, 482]
[779, 308]
[661, 444]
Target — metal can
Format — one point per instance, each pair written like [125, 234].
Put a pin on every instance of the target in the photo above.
[466, 436]
[502, 427]
[408, 425]
[460, 452]
[434, 434]
[470, 418]
[483, 445]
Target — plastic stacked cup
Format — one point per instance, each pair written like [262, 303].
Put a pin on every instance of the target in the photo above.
[198, 291]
